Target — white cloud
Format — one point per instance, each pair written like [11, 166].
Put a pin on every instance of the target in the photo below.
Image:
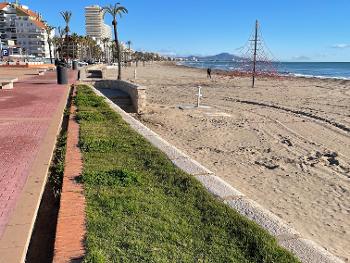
[301, 57]
[341, 46]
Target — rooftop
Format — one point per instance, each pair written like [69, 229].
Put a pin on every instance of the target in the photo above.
[35, 17]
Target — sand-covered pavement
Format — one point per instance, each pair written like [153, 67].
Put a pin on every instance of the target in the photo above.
[285, 144]
[20, 73]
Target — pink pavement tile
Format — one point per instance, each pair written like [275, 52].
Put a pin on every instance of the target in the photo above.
[25, 114]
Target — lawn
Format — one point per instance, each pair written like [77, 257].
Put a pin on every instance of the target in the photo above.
[141, 208]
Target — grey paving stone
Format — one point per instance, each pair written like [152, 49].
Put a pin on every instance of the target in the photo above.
[217, 186]
[273, 224]
[172, 152]
[190, 166]
[308, 251]
[144, 131]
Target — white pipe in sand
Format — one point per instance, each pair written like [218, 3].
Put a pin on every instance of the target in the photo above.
[199, 95]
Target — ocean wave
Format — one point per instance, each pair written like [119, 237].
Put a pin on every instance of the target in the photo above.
[332, 72]
[309, 76]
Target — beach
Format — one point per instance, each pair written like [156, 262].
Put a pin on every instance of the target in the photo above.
[284, 143]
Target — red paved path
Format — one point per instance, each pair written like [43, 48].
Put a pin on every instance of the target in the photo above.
[25, 115]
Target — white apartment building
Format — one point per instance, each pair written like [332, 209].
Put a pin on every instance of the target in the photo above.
[106, 31]
[25, 28]
[94, 24]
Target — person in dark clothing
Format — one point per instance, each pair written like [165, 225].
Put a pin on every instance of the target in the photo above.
[209, 73]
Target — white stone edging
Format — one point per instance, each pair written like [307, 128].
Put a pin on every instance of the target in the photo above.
[306, 250]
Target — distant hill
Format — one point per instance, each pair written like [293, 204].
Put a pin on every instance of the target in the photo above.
[218, 57]
[222, 56]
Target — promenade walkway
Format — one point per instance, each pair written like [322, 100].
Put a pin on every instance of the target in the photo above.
[30, 118]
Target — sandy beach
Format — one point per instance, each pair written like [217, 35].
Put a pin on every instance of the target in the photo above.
[285, 143]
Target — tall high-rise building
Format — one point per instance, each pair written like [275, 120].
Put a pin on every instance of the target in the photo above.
[24, 28]
[95, 26]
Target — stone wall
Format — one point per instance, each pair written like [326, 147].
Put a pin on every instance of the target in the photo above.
[136, 93]
[108, 80]
[84, 74]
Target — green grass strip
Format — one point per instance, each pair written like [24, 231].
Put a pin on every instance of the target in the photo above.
[141, 208]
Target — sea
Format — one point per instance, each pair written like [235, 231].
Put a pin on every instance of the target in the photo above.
[334, 70]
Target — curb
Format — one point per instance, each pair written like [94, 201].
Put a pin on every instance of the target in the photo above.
[71, 229]
[306, 250]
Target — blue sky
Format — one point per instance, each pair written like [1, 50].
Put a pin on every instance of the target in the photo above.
[294, 30]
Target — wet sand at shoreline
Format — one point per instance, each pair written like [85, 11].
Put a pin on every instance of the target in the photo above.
[285, 143]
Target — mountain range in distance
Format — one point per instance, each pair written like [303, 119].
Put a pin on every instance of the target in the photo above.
[218, 57]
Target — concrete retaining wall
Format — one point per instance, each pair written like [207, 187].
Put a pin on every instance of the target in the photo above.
[306, 250]
[108, 80]
[136, 93]
[84, 72]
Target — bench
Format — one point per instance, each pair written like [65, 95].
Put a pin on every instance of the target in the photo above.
[7, 83]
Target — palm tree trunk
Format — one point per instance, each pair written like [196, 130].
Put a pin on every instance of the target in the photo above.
[118, 49]
[50, 52]
[113, 52]
[104, 51]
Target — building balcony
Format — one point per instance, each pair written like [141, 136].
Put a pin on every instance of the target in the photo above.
[35, 32]
[38, 49]
[36, 45]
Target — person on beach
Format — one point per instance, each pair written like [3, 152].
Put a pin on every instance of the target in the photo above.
[209, 73]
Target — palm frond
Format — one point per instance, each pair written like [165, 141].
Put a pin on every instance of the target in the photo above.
[107, 9]
[67, 15]
[49, 29]
[115, 10]
[60, 32]
[121, 10]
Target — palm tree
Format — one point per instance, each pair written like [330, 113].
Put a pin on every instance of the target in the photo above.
[112, 43]
[114, 11]
[81, 46]
[74, 38]
[58, 41]
[129, 55]
[55, 42]
[67, 15]
[88, 41]
[129, 44]
[49, 30]
[105, 41]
